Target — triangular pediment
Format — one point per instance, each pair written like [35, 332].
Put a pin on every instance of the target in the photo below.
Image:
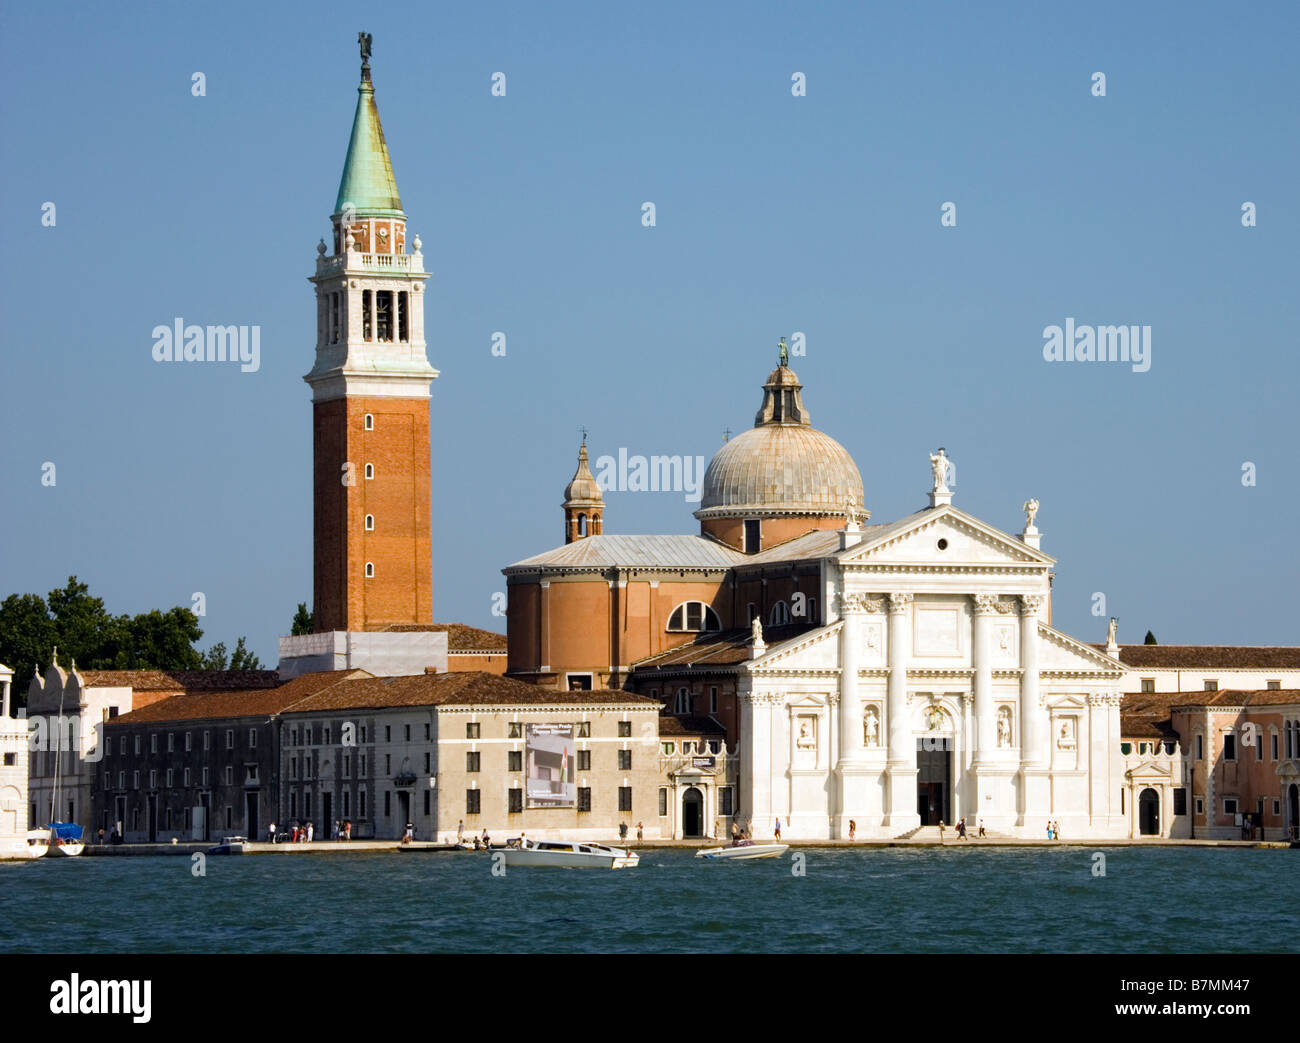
[1060, 653]
[818, 649]
[1149, 770]
[968, 542]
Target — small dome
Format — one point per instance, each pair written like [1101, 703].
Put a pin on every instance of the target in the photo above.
[582, 490]
[782, 465]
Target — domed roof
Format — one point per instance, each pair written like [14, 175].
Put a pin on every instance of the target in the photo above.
[782, 465]
[583, 489]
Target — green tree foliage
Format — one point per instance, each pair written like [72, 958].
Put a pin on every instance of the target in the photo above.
[78, 624]
[304, 622]
[1151, 639]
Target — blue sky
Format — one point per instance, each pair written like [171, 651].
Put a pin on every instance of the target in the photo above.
[774, 214]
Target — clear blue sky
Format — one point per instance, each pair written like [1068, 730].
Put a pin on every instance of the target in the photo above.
[775, 214]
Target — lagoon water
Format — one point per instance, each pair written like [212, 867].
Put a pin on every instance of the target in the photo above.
[952, 899]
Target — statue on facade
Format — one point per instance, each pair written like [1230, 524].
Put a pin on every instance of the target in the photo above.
[1031, 513]
[940, 466]
[1111, 630]
[806, 740]
[756, 627]
[1004, 727]
[784, 356]
[871, 727]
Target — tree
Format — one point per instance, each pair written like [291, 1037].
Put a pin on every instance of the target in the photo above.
[1151, 639]
[304, 622]
[240, 659]
[27, 636]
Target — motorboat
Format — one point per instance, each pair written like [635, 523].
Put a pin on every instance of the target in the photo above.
[569, 854]
[38, 842]
[64, 840]
[230, 846]
[743, 849]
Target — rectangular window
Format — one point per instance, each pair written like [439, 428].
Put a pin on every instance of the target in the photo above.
[427, 733]
[584, 729]
[135, 780]
[625, 798]
[383, 315]
[388, 764]
[229, 817]
[171, 777]
[1229, 805]
[230, 775]
[1229, 746]
[1200, 806]
[1273, 746]
[121, 746]
[427, 795]
[472, 801]
[1277, 808]
[515, 760]
[516, 801]
[205, 776]
[347, 804]
[753, 536]
[186, 776]
[363, 733]
[406, 734]
[171, 742]
[153, 778]
[230, 738]
[724, 801]
[584, 760]
[1200, 747]
[293, 804]
[1180, 802]
[388, 733]
[812, 610]
[427, 759]
[347, 766]
[306, 804]
[1148, 685]
[516, 730]
[365, 315]
[584, 798]
[403, 304]
[624, 760]
[1211, 686]
[334, 317]
[471, 730]
[361, 765]
[663, 802]
[388, 803]
[137, 745]
[153, 743]
[1273, 686]
[624, 729]
[207, 741]
[293, 768]
[713, 699]
[472, 761]
[326, 740]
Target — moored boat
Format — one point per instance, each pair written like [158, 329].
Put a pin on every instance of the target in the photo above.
[745, 849]
[569, 854]
[230, 846]
[64, 840]
[38, 842]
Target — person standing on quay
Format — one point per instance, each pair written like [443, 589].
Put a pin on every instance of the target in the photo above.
[778, 827]
[640, 832]
[941, 828]
[982, 833]
[271, 832]
[853, 829]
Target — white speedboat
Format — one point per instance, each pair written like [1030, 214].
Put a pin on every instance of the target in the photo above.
[38, 842]
[230, 846]
[64, 840]
[743, 850]
[569, 854]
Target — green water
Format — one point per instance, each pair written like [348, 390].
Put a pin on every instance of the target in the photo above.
[865, 900]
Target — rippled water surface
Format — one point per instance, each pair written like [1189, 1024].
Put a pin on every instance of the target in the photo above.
[864, 900]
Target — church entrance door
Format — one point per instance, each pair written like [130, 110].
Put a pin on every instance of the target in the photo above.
[1149, 813]
[692, 813]
[934, 785]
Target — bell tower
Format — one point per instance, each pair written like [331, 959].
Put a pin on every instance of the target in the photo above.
[584, 506]
[370, 398]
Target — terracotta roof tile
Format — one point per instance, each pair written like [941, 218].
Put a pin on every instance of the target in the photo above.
[460, 636]
[180, 680]
[261, 702]
[722, 648]
[1208, 657]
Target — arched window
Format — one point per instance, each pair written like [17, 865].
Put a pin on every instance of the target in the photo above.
[684, 703]
[582, 525]
[370, 570]
[370, 523]
[694, 617]
[370, 471]
[370, 421]
[779, 615]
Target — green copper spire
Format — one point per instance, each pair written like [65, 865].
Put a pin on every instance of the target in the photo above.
[368, 182]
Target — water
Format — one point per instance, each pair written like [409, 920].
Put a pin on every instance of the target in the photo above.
[1157, 900]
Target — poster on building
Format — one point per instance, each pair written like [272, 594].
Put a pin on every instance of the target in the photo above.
[548, 750]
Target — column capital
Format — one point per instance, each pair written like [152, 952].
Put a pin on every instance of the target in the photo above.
[899, 603]
[1030, 604]
[859, 603]
[985, 604]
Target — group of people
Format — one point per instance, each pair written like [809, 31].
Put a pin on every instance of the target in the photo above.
[481, 843]
[1053, 830]
[962, 830]
[622, 832]
[340, 829]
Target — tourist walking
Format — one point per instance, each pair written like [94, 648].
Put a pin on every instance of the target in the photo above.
[778, 828]
[1049, 829]
[271, 832]
[853, 828]
[460, 832]
[961, 829]
[622, 832]
[941, 829]
[311, 831]
[981, 832]
[640, 832]
[293, 833]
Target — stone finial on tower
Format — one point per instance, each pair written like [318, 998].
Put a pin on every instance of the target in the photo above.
[584, 505]
[365, 40]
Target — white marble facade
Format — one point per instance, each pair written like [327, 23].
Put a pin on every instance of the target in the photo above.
[939, 690]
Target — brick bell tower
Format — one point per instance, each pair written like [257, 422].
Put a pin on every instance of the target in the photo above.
[370, 399]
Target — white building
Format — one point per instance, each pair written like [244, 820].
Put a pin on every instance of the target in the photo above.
[13, 775]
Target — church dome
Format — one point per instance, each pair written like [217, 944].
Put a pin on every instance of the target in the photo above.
[782, 465]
